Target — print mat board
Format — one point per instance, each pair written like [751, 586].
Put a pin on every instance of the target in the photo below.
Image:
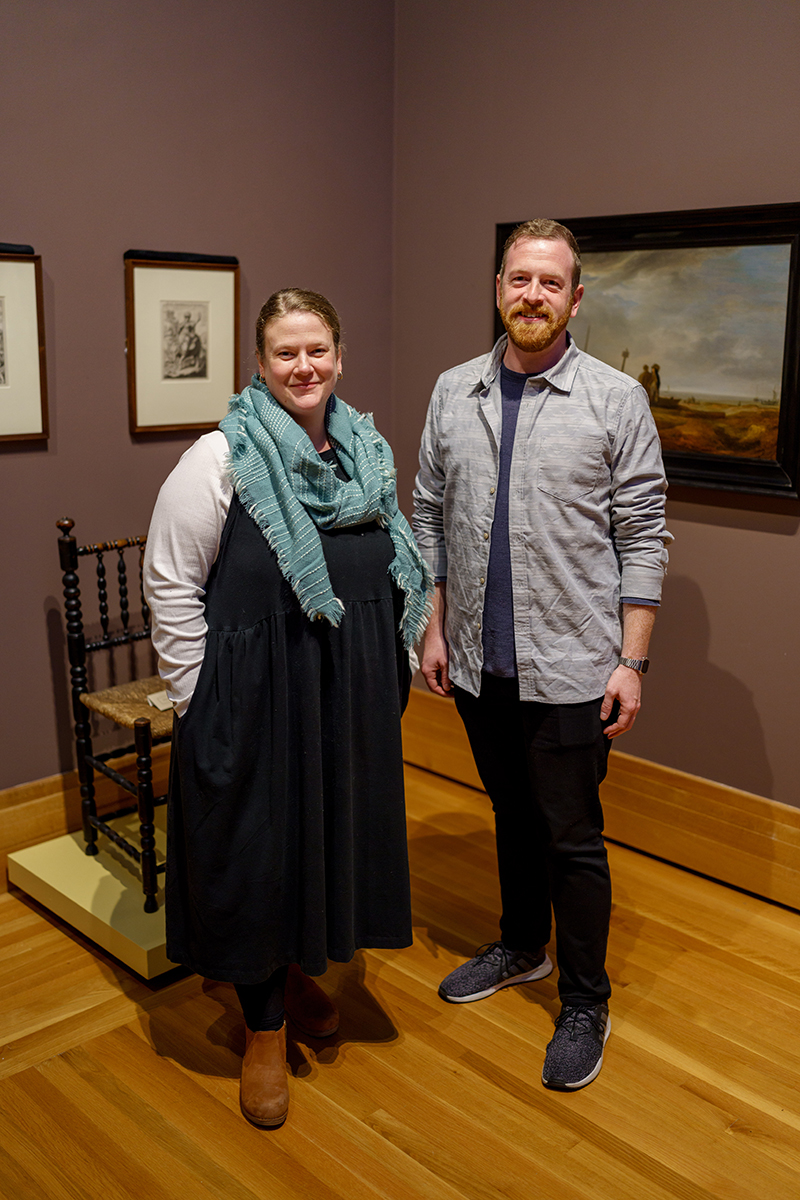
[23, 374]
[182, 320]
[701, 308]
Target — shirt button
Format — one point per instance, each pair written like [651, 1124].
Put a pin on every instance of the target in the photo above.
[486, 537]
[482, 580]
[491, 491]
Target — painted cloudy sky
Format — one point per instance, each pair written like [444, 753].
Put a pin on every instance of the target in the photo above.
[712, 318]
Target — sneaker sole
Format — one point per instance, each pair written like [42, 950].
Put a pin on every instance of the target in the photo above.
[540, 972]
[558, 1086]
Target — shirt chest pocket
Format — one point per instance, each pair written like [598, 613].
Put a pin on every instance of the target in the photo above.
[569, 466]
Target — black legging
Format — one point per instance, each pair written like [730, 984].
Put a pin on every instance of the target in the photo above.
[262, 1003]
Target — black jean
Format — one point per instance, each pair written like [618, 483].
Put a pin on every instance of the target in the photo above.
[542, 766]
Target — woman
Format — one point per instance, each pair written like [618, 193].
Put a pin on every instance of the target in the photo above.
[285, 588]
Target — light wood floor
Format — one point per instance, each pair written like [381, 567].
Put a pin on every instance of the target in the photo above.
[111, 1089]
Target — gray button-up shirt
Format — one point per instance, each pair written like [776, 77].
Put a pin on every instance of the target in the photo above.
[586, 516]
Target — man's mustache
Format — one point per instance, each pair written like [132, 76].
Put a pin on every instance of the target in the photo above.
[527, 310]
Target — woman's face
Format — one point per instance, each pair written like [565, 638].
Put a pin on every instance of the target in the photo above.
[300, 365]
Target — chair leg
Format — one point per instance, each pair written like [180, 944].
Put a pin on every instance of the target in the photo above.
[83, 747]
[76, 646]
[147, 829]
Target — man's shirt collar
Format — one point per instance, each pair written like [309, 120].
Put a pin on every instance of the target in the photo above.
[560, 376]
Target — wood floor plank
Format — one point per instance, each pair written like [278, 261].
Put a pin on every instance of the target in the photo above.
[94, 1158]
[58, 1032]
[140, 1133]
[431, 1126]
[303, 1151]
[362, 1160]
[25, 1172]
[722, 915]
[534, 1097]
[417, 1099]
[216, 1071]
[209, 1133]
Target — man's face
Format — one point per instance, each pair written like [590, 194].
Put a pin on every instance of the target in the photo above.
[535, 295]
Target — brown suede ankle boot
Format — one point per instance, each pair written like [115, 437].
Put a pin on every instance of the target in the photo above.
[311, 1010]
[264, 1093]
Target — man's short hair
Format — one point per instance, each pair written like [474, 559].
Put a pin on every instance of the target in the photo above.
[544, 227]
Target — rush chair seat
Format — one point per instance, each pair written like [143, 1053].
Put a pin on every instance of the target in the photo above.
[125, 704]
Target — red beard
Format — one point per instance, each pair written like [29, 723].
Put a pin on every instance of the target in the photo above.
[539, 335]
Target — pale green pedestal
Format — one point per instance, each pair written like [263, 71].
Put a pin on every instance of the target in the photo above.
[100, 896]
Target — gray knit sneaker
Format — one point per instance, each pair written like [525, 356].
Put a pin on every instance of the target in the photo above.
[492, 968]
[575, 1054]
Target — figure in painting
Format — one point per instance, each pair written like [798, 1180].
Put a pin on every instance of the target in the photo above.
[646, 379]
[190, 348]
[184, 340]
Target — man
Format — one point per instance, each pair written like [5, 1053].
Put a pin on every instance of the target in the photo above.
[539, 505]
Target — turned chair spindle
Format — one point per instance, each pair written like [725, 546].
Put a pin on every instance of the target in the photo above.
[125, 704]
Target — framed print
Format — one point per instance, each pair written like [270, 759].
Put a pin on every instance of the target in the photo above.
[23, 373]
[182, 321]
[701, 307]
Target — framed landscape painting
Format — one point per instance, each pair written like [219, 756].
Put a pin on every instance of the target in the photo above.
[182, 322]
[701, 307]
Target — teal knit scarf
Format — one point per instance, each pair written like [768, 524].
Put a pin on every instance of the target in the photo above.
[291, 494]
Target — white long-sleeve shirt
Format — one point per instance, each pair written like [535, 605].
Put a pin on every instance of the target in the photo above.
[182, 544]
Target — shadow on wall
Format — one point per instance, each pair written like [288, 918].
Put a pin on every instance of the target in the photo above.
[59, 674]
[699, 718]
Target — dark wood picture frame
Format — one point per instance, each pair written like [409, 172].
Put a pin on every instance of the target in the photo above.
[751, 226]
[180, 377]
[23, 362]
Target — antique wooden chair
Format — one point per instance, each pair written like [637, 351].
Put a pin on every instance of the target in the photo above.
[125, 704]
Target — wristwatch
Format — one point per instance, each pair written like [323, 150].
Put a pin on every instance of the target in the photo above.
[636, 664]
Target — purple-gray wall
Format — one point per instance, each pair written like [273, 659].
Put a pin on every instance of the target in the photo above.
[367, 149]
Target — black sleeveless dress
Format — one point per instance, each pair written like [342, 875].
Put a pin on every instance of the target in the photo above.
[287, 836]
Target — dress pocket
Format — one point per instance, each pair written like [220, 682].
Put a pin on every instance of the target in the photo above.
[568, 466]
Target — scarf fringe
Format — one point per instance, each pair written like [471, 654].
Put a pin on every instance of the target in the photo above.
[417, 604]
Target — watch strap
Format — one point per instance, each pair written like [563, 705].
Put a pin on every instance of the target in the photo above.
[636, 664]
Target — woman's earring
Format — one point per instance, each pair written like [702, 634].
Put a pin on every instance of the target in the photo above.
[341, 375]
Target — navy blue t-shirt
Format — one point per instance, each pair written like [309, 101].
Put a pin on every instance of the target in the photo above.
[499, 651]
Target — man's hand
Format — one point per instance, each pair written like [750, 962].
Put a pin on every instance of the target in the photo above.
[435, 651]
[435, 658]
[624, 685]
